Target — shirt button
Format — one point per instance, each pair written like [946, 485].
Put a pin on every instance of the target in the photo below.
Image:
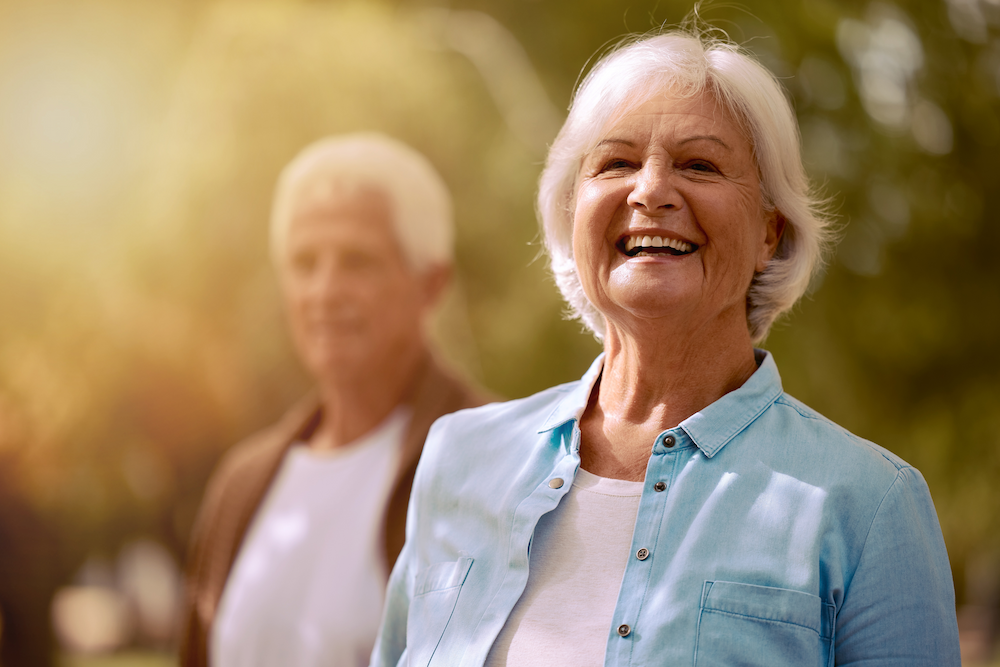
[642, 554]
[555, 483]
[669, 441]
[624, 630]
[660, 486]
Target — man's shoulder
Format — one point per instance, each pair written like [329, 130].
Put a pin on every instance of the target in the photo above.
[250, 453]
[258, 454]
[450, 390]
[234, 490]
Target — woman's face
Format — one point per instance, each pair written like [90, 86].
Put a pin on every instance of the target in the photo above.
[668, 220]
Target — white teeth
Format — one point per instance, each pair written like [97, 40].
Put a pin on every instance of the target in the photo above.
[656, 242]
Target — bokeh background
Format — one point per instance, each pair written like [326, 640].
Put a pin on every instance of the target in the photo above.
[140, 328]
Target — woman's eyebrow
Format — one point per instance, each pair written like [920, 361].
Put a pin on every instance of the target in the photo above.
[612, 140]
[686, 140]
[705, 137]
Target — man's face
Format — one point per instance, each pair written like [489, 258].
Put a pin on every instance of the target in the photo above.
[353, 301]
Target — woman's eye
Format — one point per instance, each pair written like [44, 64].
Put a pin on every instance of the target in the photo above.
[701, 166]
[612, 165]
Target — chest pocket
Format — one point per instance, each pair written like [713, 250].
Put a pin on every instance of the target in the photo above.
[742, 625]
[434, 598]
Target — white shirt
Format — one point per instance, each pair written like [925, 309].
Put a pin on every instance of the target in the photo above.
[578, 557]
[308, 584]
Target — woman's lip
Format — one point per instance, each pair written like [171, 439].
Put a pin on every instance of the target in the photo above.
[654, 244]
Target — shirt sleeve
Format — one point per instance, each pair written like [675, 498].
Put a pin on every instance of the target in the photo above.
[899, 608]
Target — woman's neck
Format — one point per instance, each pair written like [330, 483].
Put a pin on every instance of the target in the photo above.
[653, 382]
[670, 379]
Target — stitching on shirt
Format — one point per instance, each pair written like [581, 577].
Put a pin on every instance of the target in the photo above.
[708, 610]
[508, 572]
[847, 584]
[786, 400]
[546, 425]
[655, 550]
[740, 424]
[437, 644]
[567, 389]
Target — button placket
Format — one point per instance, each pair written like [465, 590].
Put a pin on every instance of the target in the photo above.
[652, 507]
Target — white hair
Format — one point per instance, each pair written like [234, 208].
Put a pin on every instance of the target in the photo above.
[690, 65]
[421, 209]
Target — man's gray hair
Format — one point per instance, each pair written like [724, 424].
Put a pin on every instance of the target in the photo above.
[418, 197]
[690, 64]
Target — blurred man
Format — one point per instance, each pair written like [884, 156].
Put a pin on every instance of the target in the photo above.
[301, 523]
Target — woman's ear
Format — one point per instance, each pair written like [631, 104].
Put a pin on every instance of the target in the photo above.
[774, 227]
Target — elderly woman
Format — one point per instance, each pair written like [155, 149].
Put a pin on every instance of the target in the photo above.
[674, 506]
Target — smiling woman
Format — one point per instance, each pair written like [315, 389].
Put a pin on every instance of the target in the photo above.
[743, 97]
[677, 169]
[674, 506]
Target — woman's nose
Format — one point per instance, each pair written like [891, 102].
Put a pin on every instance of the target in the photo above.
[654, 190]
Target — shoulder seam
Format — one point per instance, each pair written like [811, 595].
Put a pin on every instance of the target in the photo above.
[899, 474]
[784, 400]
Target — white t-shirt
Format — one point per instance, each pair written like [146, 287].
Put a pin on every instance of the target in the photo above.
[308, 584]
[578, 557]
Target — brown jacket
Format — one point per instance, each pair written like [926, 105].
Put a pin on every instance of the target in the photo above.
[241, 480]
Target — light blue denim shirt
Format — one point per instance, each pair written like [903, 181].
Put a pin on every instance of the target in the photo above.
[774, 537]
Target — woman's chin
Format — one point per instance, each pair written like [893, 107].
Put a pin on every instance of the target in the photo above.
[652, 296]
[657, 312]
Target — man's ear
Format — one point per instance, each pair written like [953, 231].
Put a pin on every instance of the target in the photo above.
[435, 280]
[775, 227]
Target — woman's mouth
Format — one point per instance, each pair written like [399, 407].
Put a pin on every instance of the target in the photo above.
[641, 246]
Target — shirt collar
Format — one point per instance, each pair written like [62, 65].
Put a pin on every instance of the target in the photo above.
[572, 405]
[710, 428]
[716, 424]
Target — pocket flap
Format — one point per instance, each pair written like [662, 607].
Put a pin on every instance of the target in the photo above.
[769, 603]
[440, 576]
